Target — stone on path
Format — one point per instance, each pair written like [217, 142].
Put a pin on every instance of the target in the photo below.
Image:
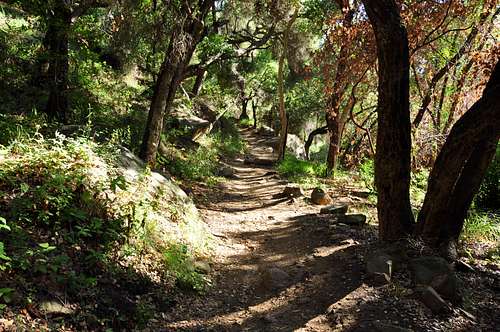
[320, 197]
[272, 278]
[226, 172]
[202, 267]
[290, 192]
[353, 219]
[334, 209]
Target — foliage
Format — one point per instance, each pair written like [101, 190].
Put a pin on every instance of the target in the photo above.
[481, 226]
[367, 174]
[180, 264]
[293, 167]
[489, 192]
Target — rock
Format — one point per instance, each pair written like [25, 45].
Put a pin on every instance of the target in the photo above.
[436, 272]
[384, 327]
[379, 263]
[354, 219]
[55, 308]
[361, 193]
[251, 160]
[290, 191]
[273, 278]
[294, 145]
[320, 197]
[432, 300]
[266, 131]
[378, 279]
[226, 172]
[334, 209]
[202, 267]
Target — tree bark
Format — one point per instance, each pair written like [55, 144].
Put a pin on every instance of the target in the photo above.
[460, 167]
[183, 40]
[57, 39]
[254, 114]
[392, 160]
[312, 135]
[281, 90]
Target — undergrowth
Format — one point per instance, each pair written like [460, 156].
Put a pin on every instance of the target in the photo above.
[71, 217]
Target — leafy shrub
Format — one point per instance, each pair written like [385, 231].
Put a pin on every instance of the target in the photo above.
[489, 192]
[179, 261]
[291, 166]
[481, 226]
[367, 173]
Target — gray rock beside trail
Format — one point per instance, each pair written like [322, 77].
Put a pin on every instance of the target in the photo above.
[272, 278]
[226, 172]
[432, 300]
[55, 308]
[435, 272]
[379, 263]
[334, 209]
[353, 219]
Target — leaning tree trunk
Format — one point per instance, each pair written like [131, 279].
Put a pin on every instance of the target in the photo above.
[58, 28]
[310, 138]
[392, 160]
[460, 167]
[183, 41]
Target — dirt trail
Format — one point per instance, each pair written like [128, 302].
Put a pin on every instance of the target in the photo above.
[279, 267]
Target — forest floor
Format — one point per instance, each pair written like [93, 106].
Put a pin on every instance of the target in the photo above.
[280, 265]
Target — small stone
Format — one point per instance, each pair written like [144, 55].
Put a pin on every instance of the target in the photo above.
[226, 172]
[290, 191]
[55, 308]
[334, 209]
[202, 267]
[320, 197]
[273, 278]
[354, 219]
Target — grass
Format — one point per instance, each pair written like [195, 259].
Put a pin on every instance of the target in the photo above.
[481, 226]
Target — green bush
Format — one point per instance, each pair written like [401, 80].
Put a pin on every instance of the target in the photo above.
[367, 173]
[179, 261]
[291, 166]
[481, 226]
[489, 192]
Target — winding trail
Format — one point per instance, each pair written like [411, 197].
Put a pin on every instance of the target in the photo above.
[279, 265]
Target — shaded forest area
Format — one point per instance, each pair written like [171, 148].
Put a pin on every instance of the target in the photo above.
[139, 138]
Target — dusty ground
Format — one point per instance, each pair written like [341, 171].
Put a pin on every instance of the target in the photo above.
[281, 266]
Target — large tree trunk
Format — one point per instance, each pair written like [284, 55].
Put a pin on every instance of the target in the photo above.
[460, 167]
[183, 41]
[56, 39]
[392, 160]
